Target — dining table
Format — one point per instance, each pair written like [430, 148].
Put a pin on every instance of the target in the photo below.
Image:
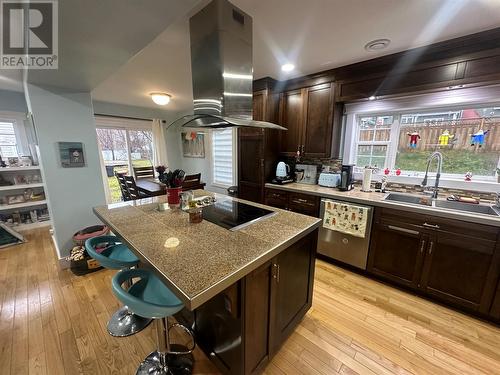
[153, 187]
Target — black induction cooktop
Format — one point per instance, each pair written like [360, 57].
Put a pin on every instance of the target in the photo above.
[234, 215]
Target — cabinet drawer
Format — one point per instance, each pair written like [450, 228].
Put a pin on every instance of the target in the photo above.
[276, 194]
[276, 198]
[304, 199]
[304, 204]
[455, 226]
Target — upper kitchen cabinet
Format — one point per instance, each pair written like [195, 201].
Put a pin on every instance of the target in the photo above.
[291, 113]
[318, 121]
[258, 148]
[308, 114]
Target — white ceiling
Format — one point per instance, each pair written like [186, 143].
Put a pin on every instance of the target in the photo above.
[315, 35]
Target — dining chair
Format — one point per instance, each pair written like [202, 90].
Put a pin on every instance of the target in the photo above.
[133, 192]
[123, 186]
[144, 172]
[191, 181]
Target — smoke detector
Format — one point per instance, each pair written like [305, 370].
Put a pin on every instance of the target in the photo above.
[377, 45]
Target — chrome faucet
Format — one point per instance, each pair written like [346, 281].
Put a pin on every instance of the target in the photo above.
[439, 158]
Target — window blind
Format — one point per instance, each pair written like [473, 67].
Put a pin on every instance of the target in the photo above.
[222, 143]
[8, 141]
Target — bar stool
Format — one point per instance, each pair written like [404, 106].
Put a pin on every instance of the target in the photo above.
[117, 256]
[149, 297]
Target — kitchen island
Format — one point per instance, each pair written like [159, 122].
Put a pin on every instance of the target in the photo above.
[244, 291]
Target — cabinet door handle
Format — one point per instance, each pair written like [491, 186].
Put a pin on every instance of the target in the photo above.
[422, 246]
[431, 245]
[302, 148]
[302, 200]
[276, 272]
[404, 230]
[433, 226]
[261, 162]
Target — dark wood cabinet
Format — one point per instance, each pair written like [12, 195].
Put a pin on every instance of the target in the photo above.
[307, 113]
[241, 328]
[294, 275]
[396, 253]
[301, 203]
[258, 287]
[318, 121]
[258, 149]
[451, 260]
[291, 107]
[456, 269]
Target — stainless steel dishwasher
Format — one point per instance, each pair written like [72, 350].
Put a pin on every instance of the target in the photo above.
[345, 232]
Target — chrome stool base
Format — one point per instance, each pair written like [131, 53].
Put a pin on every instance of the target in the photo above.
[157, 363]
[124, 323]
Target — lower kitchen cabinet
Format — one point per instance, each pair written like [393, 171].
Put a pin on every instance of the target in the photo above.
[396, 253]
[456, 270]
[301, 203]
[293, 293]
[450, 260]
[242, 327]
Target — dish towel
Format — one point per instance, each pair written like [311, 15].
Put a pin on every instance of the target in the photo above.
[346, 218]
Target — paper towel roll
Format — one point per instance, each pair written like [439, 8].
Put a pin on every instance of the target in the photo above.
[367, 179]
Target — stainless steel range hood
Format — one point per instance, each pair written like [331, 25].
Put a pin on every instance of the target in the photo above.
[222, 73]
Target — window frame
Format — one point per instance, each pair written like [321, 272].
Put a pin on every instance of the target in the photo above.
[234, 159]
[449, 180]
[17, 119]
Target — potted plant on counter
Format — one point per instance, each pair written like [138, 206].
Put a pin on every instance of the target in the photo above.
[174, 181]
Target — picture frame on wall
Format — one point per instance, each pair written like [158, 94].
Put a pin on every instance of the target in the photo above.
[193, 144]
[71, 154]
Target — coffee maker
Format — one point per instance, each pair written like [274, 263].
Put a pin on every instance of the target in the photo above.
[346, 177]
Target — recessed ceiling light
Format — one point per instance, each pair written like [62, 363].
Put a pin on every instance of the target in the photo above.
[372, 97]
[160, 98]
[377, 45]
[287, 67]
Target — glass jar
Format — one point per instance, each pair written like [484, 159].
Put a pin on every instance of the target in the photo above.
[195, 215]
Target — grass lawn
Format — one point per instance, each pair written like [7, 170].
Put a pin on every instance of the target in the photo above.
[454, 161]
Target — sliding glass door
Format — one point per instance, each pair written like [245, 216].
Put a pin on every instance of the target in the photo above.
[122, 150]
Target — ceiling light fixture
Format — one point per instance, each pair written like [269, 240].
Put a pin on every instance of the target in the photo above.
[377, 45]
[160, 98]
[288, 67]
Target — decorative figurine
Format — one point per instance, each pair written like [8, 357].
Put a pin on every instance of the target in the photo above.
[468, 176]
[478, 137]
[398, 172]
[444, 138]
[414, 137]
[387, 171]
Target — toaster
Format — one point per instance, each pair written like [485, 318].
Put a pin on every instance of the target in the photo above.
[329, 179]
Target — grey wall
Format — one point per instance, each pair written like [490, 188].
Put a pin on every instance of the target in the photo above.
[72, 192]
[12, 101]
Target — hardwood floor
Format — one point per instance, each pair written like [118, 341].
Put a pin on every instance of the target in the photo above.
[52, 322]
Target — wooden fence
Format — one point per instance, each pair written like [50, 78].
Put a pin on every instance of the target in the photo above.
[461, 130]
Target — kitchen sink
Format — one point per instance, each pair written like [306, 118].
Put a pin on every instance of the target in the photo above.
[406, 198]
[450, 205]
[468, 207]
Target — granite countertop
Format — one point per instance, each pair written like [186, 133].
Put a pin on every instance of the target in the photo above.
[208, 258]
[377, 199]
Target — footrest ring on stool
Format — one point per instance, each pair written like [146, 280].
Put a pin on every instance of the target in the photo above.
[188, 331]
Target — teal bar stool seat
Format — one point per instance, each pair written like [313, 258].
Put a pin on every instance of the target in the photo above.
[111, 253]
[150, 298]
